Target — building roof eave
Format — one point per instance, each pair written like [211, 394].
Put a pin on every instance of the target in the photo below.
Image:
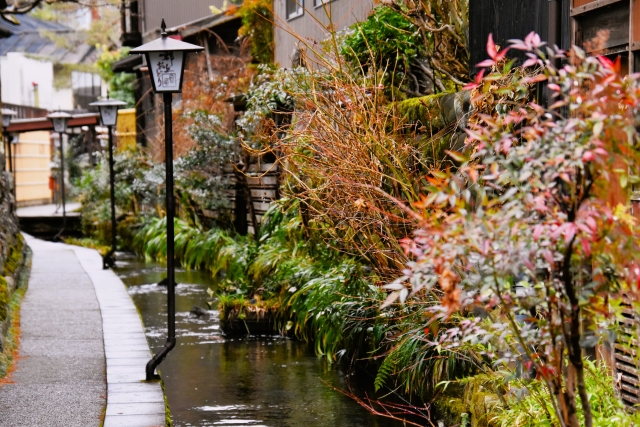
[44, 124]
[194, 27]
[127, 64]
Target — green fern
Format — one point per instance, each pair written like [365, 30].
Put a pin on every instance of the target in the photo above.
[384, 372]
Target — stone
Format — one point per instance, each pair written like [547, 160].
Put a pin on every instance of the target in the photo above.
[11, 283]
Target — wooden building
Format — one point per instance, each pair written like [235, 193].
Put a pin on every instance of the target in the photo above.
[302, 24]
[605, 27]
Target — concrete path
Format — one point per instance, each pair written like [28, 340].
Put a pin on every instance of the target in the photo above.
[76, 320]
[48, 210]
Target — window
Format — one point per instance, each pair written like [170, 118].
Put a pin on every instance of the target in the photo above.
[318, 3]
[295, 8]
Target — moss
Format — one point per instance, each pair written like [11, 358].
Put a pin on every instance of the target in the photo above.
[449, 409]
[482, 398]
[425, 110]
[434, 112]
[232, 307]
[4, 300]
[167, 411]
[88, 242]
[13, 334]
[14, 257]
[472, 401]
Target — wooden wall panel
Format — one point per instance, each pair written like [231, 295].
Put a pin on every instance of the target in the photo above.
[605, 27]
[578, 3]
[636, 21]
[505, 19]
[33, 168]
[626, 369]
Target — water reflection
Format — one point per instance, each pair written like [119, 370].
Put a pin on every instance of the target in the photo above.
[253, 381]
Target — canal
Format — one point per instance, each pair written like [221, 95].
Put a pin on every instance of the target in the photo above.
[254, 381]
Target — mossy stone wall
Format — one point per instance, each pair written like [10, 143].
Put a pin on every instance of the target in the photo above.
[11, 246]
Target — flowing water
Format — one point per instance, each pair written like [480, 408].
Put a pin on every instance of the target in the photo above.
[255, 381]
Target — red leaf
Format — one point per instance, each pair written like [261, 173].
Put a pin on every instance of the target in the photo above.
[570, 231]
[491, 47]
[606, 62]
[616, 65]
[486, 63]
[586, 247]
[537, 232]
[557, 105]
[486, 245]
[587, 156]
[476, 81]
[535, 79]
[473, 174]
[549, 257]
[501, 54]
[529, 265]
[473, 136]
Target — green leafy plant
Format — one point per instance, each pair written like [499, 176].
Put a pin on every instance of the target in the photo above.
[138, 191]
[389, 42]
[120, 84]
[528, 403]
[257, 25]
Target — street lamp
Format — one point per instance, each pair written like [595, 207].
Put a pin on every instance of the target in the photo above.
[109, 116]
[166, 59]
[59, 120]
[7, 115]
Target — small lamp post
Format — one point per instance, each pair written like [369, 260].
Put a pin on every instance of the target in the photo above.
[166, 59]
[109, 117]
[7, 115]
[59, 120]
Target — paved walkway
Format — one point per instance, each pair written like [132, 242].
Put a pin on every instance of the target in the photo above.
[48, 210]
[77, 319]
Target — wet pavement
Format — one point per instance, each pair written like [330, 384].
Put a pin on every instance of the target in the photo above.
[83, 349]
[60, 375]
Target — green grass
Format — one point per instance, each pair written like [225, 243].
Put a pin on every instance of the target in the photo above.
[531, 407]
[88, 242]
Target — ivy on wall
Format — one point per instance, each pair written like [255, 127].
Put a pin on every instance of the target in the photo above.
[257, 24]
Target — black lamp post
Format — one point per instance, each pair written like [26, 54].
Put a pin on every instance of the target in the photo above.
[60, 120]
[166, 59]
[109, 117]
[7, 115]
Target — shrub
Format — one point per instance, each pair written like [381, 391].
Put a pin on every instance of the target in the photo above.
[528, 233]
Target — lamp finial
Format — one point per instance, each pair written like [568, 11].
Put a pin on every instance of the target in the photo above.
[163, 26]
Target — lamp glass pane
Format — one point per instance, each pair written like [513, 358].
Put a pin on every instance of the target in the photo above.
[109, 115]
[166, 70]
[6, 120]
[59, 125]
